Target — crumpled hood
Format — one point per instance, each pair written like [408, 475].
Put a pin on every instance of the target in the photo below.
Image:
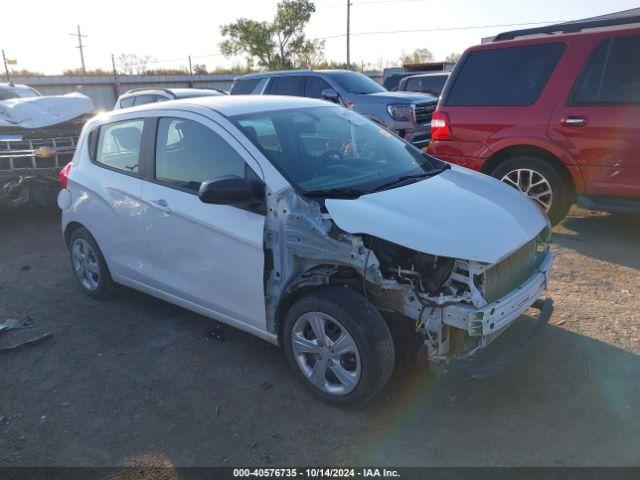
[38, 112]
[458, 213]
[402, 97]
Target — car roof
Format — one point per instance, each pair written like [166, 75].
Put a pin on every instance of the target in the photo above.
[18, 86]
[541, 38]
[432, 74]
[282, 73]
[230, 105]
[176, 92]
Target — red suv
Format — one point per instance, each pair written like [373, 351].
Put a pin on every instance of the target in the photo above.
[556, 116]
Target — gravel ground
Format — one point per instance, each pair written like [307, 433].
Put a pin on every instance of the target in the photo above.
[135, 380]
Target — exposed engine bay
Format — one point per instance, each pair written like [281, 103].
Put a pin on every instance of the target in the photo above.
[456, 306]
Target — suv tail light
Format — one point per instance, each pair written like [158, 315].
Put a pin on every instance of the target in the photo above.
[440, 126]
[64, 174]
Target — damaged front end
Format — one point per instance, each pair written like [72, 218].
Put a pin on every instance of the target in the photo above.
[31, 160]
[456, 306]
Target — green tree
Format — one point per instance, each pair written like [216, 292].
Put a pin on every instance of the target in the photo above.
[280, 43]
[419, 55]
[452, 57]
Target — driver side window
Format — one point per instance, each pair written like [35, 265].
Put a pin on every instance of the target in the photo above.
[189, 153]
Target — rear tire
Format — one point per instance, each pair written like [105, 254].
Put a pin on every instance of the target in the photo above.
[89, 265]
[350, 378]
[538, 180]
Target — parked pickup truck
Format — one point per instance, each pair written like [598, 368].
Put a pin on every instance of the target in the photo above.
[38, 136]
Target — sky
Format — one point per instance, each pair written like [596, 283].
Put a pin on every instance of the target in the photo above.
[169, 31]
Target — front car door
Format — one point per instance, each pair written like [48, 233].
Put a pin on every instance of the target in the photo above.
[599, 123]
[205, 256]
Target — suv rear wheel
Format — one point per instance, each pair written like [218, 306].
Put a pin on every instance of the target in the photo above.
[539, 181]
[339, 346]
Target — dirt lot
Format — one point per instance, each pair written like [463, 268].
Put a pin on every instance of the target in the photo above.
[134, 378]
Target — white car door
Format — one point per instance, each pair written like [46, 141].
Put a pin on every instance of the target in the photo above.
[111, 198]
[210, 256]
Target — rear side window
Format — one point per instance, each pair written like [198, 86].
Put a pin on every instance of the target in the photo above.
[143, 99]
[504, 76]
[288, 85]
[244, 87]
[432, 85]
[314, 86]
[119, 145]
[189, 153]
[126, 102]
[611, 75]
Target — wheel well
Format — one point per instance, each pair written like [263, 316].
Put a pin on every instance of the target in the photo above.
[519, 150]
[69, 229]
[346, 276]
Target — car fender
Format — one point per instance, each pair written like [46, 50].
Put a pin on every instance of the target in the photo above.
[542, 143]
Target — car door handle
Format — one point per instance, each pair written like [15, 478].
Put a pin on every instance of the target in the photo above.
[160, 205]
[573, 121]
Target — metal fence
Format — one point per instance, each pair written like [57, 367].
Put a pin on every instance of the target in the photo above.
[104, 90]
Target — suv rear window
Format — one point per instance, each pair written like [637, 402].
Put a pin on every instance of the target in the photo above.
[504, 76]
[244, 87]
[612, 74]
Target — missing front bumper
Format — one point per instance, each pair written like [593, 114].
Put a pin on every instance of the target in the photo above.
[478, 371]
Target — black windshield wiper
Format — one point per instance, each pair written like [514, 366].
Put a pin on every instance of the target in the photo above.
[334, 193]
[405, 179]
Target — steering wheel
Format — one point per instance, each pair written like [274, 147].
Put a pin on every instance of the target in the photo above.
[337, 168]
[331, 154]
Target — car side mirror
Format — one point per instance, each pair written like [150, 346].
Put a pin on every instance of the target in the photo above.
[331, 95]
[228, 190]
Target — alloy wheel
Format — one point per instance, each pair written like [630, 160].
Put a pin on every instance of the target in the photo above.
[531, 184]
[85, 264]
[326, 353]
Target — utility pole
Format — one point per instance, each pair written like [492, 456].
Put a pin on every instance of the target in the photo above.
[348, 33]
[80, 47]
[190, 73]
[116, 82]
[6, 68]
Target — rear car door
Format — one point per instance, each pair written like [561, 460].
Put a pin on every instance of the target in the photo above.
[599, 123]
[113, 197]
[286, 85]
[206, 255]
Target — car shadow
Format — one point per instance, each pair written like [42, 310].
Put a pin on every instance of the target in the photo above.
[611, 238]
[561, 398]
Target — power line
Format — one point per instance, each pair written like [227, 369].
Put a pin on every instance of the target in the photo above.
[443, 29]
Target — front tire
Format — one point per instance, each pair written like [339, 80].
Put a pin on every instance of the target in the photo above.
[89, 265]
[539, 181]
[339, 346]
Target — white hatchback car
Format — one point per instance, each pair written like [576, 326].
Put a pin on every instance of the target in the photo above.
[305, 224]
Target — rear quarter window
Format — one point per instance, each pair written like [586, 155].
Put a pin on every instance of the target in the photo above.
[512, 76]
[127, 102]
[244, 87]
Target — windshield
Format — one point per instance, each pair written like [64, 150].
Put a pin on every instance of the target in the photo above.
[357, 83]
[328, 148]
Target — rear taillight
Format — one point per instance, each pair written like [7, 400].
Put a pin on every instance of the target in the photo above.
[440, 126]
[64, 175]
